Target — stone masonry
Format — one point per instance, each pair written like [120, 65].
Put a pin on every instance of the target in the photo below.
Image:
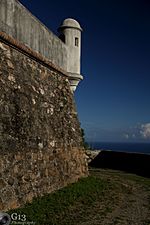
[41, 147]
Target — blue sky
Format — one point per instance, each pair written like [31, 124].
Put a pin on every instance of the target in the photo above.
[113, 100]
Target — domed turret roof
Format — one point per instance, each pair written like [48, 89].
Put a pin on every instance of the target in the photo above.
[70, 23]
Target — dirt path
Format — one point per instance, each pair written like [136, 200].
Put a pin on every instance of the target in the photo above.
[131, 204]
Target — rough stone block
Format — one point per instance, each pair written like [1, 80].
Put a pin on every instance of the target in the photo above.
[40, 136]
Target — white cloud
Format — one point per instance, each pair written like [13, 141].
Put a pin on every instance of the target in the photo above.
[126, 136]
[145, 130]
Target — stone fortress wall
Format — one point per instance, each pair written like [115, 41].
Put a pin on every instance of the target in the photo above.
[19, 23]
[41, 147]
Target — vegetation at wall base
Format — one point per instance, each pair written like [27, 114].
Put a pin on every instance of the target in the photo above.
[105, 197]
[85, 144]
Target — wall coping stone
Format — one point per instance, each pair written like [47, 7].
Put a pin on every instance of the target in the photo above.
[7, 39]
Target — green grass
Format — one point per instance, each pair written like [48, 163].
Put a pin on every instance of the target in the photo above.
[70, 204]
[90, 199]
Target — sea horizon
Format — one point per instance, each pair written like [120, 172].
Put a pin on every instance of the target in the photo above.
[137, 147]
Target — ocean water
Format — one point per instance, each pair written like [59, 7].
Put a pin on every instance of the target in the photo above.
[122, 147]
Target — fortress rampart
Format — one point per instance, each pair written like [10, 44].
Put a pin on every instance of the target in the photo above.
[41, 147]
[19, 23]
[65, 52]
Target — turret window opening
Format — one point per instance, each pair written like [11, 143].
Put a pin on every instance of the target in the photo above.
[76, 41]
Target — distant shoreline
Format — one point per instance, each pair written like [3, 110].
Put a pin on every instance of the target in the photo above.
[143, 148]
[119, 151]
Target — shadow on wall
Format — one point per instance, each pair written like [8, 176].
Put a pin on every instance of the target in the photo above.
[128, 162]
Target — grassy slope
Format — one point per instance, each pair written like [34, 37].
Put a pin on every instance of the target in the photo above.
[105, 197]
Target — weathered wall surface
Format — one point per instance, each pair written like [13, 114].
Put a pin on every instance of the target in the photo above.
[19, 23]
[40, 137]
